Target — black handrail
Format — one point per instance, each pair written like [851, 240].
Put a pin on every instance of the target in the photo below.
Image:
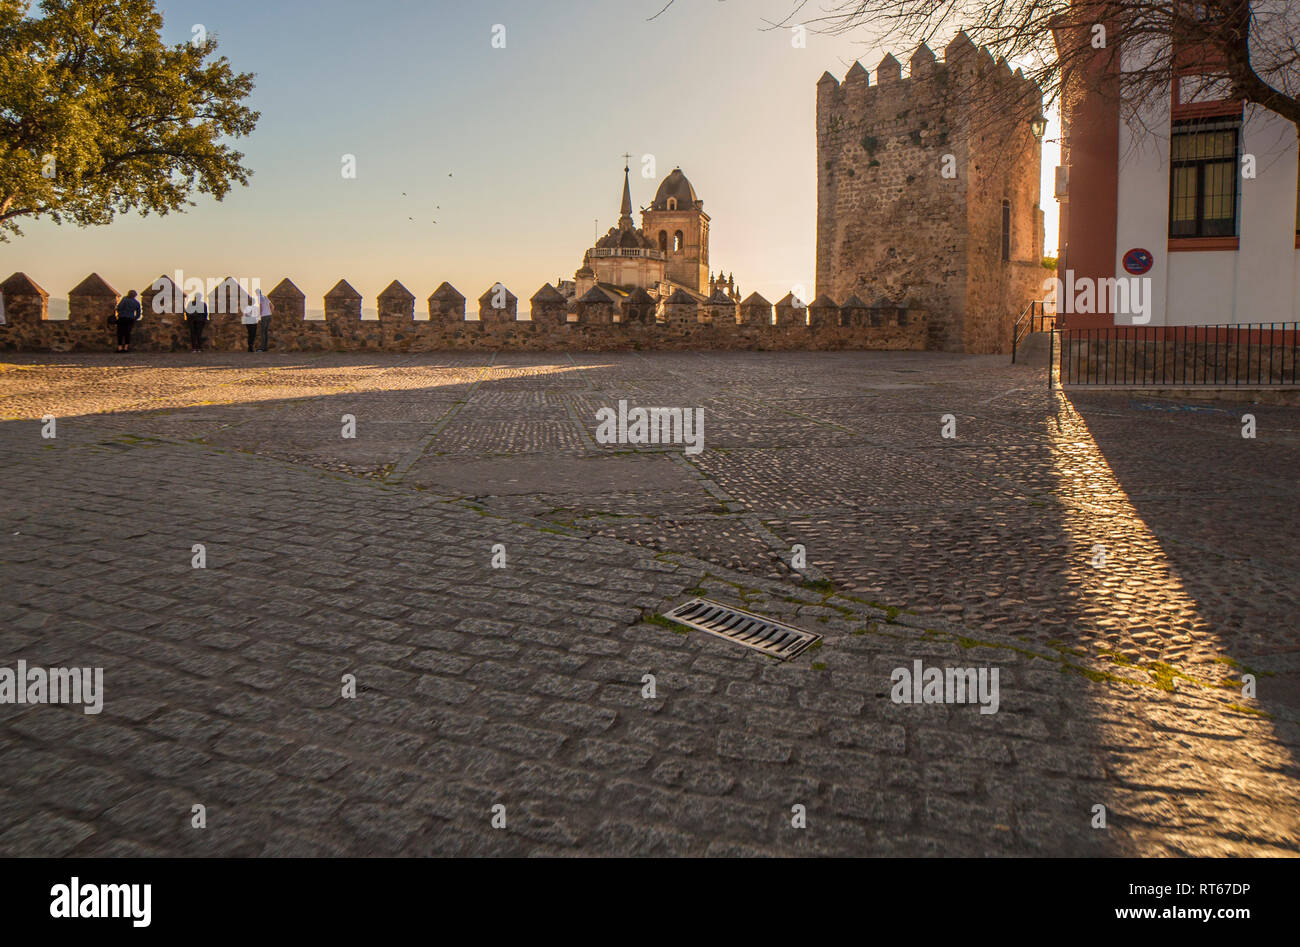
[1033, 318]
[1223, 356]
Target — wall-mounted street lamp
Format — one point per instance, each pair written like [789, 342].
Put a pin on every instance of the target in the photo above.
[1038, 125]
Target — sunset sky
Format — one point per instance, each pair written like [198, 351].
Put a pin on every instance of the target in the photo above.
[515, 152]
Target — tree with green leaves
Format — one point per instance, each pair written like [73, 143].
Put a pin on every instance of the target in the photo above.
[98, 116]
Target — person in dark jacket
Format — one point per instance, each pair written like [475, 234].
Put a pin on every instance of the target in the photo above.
[196, 314]
[250, 318]
[128, 311]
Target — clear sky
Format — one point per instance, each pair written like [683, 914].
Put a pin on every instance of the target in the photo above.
[514, 152]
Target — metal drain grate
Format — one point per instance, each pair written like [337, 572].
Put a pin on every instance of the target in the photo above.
[753, 631]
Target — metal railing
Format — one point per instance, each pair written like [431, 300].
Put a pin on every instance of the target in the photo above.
[1254, 355]
[631, 252]
[1036, 317]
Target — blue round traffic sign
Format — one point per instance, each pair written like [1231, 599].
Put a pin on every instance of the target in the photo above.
[1138, 261]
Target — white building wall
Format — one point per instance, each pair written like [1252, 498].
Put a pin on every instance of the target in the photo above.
[1142, 217]
[1260, 281]
[1266, 260]
[1201, 289]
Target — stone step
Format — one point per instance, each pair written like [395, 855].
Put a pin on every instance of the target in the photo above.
[1034, 349]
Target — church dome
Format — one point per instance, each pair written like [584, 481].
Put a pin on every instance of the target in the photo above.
[675, 185]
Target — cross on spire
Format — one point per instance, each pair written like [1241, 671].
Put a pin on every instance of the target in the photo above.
[625, 209]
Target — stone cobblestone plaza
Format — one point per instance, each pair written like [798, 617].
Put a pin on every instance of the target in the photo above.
[1121, 674]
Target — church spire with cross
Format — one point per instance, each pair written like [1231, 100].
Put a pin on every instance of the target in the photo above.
[625, 210]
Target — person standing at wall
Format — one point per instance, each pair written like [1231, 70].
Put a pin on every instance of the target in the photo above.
[128, 311]
[196, 314]
[250, 319]
[264, 318]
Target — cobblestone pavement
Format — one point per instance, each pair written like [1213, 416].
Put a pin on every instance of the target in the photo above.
[1120, 682]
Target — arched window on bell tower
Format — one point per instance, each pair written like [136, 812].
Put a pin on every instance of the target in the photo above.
[678, 241]
[663, 241]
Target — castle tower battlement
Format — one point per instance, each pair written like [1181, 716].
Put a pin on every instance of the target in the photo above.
[928, 190]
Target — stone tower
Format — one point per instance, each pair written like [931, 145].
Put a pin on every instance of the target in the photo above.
[677, 225]
[928, 191]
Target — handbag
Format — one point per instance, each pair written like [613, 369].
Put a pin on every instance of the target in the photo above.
[112, 320]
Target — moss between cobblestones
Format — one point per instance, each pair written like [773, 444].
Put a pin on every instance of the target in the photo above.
[657, 619]
[1099, 677]
[1250, 710]
[1114, 657]
[1057, 645]
[1237, 665]
[891, 611]
[1162, 676]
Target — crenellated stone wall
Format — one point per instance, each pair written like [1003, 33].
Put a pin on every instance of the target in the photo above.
[599, 324]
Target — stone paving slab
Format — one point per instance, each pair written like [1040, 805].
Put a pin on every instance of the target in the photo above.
[523, 686]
